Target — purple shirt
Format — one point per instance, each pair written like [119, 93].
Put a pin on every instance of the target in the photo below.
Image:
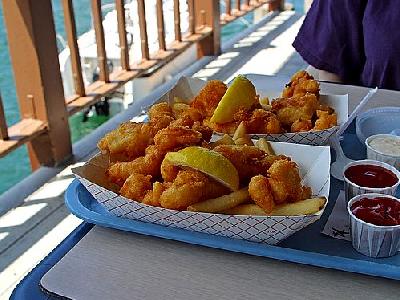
[359, 40]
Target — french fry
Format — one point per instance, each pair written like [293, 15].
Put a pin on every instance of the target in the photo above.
[225, 140]
[246, 140]
[246, 209]
[221, 203]
[304, 207]
[264, 101]
[266, 146]
[239, 132]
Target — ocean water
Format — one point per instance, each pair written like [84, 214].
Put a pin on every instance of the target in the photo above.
[15, 166]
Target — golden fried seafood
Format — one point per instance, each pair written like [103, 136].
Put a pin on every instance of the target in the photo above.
[152, 197]
[149, 164]
[160, 109]
[228, 127]
[168, 171]
[301, 125]
[209, 96]
[248, 160]
[285, 181]
[261, 193]
[325, 120]
[300, 84]
[189, 187]
[171, 138]
[136, 187]
[262, 121]
[126, 140]
[289, 110]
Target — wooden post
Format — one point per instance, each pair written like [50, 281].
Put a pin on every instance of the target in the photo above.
[228, 7]
[34, 56]
[160, 26]
[143, 30]
[177, 21]
[100, 43]
[192, 17]
[3, 123]
[70, 29]
[123, 43]
[210, 45]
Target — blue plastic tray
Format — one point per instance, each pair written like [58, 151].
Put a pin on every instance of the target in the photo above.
[307, 246]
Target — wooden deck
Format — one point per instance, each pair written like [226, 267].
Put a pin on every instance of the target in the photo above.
[29, 232]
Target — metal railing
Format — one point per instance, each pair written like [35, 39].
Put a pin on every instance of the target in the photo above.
[33, 50]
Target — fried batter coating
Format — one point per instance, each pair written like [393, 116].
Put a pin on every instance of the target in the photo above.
[300, 84]
[285, 181]
[190, 187]
[325, 120]
[152, 197]
[127, 139]
[228, 128]
[262, 121]
[261, 193]
[168, 171]
[289, 110]
[136, 187]
[248, 160]
[160, 109]
[149, 164]
[206, 132]
[209, 96]
[300, 126]
[131, 139]
[171, 138]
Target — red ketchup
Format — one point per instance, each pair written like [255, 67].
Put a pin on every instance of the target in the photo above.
[380, 211]
[371, 176]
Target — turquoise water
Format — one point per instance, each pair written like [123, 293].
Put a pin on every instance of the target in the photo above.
[15, 166]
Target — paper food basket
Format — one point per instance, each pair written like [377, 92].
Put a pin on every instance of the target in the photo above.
[314, 163]
[186, 88]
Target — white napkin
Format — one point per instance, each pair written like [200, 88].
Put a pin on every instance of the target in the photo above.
[338, 224]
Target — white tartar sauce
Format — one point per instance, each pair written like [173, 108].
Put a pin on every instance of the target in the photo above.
[389, 145]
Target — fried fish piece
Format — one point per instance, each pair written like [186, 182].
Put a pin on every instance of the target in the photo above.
[152, 197]
[136, 187]
[189, 187]
[300, 84]
[261, 193]
[290, 110]
[285, 181]
[171, 138]
[262, 121]
[127, 139]
[149, 164]
[209, 96]
[325, 120]
[301, 125]
[248, 160]
[159, 110]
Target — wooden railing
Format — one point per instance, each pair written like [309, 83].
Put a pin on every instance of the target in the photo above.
[32, 42]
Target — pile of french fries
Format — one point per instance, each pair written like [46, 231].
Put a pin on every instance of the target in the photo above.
[238, 202]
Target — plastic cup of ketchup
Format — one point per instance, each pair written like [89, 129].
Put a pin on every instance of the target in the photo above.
[375, 224]
[370, 176]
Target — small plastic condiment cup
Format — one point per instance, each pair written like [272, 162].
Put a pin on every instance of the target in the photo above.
[351, 189]
[372, 153]
[373, 240]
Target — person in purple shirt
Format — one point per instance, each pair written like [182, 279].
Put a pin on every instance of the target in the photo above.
[353, 41]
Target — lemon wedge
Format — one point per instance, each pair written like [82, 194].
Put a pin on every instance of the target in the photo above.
[241, 94]
[207, 161]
